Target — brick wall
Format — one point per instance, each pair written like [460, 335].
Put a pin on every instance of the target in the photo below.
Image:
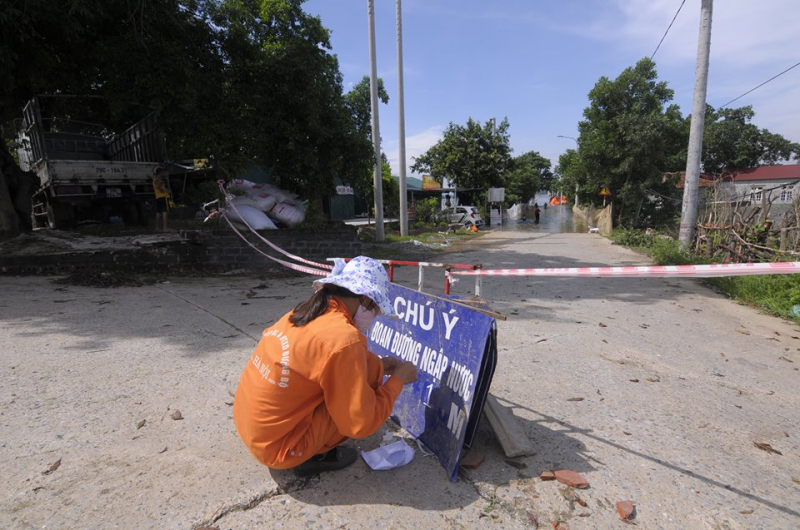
[226, 251]
[205, 251]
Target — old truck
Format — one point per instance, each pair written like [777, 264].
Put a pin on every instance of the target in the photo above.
[87, 171]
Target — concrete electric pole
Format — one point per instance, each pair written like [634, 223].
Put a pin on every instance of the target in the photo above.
[402, 123]
[692, 183]
[377, 178]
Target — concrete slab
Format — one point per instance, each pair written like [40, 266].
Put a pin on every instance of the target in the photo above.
[677, 386]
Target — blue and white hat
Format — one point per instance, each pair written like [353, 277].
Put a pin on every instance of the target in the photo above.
[363, 276]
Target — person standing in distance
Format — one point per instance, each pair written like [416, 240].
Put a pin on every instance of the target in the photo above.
[311, 384]
[161, 190]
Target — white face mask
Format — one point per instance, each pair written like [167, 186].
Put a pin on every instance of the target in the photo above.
[363, 319]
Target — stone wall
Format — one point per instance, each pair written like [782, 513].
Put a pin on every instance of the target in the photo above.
[201, 251]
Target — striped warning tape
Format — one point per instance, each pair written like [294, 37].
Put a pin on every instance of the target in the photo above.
[663, 271]
[293, 266]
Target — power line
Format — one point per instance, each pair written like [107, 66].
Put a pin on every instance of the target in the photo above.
[759, 86]
[665, 33]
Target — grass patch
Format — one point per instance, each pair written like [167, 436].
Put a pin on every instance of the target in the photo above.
[773, 294]
[628, 237]
[662, 248]
[776, 295]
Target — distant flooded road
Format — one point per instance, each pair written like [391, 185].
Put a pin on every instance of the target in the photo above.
[554, 219]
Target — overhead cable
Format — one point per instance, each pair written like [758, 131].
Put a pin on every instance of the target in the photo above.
[668, 28]
[759, 86]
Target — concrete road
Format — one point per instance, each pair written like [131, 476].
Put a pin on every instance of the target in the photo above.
[655, 390]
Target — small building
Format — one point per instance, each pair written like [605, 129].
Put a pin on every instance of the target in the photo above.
[777, 185]
[772, 187]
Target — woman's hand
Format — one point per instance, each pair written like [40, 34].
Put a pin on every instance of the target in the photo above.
[390, 364]
[406, 372]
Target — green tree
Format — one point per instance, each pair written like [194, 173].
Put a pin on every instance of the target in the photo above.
[571, 173]
[359, 102]
[426, 210]
[284, 96]
[627, 141]
[530, 173]
[248, 82]
[471, 156]
[391, 190]
[731, 142]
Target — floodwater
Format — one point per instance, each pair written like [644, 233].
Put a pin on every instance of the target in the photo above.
[555, 219]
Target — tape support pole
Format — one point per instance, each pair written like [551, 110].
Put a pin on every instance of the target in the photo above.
[658, 271]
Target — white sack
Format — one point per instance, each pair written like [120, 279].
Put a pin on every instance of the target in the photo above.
[288, 214]
[254, 217]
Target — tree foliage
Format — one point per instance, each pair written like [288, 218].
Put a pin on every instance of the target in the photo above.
[628, 132]
[731, 142]
[426, 210]
[631, 136]
[247, 82]
[471, 156]
[570, 173]
[359, 102]
[530, 173]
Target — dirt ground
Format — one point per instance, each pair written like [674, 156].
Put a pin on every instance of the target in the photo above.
[657, 391]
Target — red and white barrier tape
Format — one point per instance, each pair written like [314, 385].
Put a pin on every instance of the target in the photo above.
[663, 271]
[272, 245]
[299, 268]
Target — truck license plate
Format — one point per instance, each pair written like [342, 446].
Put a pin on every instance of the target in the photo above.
[113, 192]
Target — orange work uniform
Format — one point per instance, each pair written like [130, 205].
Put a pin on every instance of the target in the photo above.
[307, 389]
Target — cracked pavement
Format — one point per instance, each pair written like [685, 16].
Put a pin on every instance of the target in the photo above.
[678, 385]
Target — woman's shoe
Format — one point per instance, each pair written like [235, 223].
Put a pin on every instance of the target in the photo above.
[334, 460]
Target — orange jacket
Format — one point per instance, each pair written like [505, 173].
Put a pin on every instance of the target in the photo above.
[293, 370]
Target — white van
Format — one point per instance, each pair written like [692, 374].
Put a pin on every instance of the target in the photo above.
[464, 215]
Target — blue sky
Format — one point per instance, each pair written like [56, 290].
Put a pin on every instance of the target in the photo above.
[535, 61]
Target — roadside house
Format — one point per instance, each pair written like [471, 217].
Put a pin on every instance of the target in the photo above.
[776, 186]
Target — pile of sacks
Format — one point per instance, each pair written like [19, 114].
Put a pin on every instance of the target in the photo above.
[264, 204]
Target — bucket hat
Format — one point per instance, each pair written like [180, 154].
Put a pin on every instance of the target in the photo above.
[363, 276]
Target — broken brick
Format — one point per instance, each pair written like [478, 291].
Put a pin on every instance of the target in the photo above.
[626, 510]
[571, 478]
[473, 459]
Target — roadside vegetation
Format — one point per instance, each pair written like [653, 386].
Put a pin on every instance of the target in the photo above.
[777, 295]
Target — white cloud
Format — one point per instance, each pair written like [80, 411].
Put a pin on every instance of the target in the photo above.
[743, 32]
[415, 146]
[750, 43]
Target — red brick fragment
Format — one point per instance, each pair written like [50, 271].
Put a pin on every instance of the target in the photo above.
[473, 459]
[626, 509]
[571, 478]
[547, 475]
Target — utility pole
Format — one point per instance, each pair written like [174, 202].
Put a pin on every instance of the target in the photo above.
[377, 178]
[691, 187]
[401, 123]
